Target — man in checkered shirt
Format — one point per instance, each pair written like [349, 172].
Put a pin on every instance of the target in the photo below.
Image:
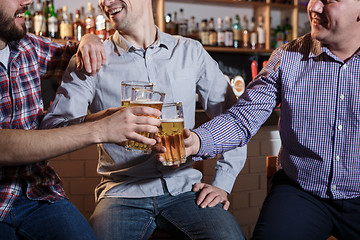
[33, 204]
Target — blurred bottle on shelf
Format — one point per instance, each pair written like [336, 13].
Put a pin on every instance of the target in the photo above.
[170, 26]
[90, 21]
[261, 33]
[182, 24]
[229, 34]
[237, 32]
[79, 28]
[253, 34]
[280, 37]
[288, 36]
[204, 32]
[29, 21]
[245, 33]
[193, 29]
[52, 21]
[39, 19]
[220, 33]
[212, 33]
[101, 25]
[66, 25]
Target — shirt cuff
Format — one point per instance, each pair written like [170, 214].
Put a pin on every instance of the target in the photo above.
[206, 143]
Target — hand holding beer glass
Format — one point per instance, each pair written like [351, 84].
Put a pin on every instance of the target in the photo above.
[171, 134]
[148, 98]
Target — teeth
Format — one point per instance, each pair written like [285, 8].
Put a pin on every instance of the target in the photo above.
[20, 15]
[115, 11]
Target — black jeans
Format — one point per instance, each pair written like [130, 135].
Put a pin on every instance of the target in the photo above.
[291, 213]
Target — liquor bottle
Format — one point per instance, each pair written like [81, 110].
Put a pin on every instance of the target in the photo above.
[39, 20]
[193, 30]
[90, 21]
[253, 34]
[29, 21]
[245, 33]
[66, 26]
[237, 32]
[261, 33]
[204, 33]
[79, 28]
[53, 28]
[101, 25]
[280, 38]
[287, 31]
[220, 33]
[175, 21]
[170, 26]
[212, 33]
[229, 34]
[182, 24]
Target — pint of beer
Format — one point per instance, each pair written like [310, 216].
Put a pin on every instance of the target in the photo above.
[148, 98]
[126, 90]
[171, 134]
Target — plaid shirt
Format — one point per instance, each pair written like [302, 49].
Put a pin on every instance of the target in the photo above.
[21, 107]
[320, 117]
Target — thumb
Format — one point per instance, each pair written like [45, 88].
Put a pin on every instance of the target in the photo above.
[198, 187]
[79, 62]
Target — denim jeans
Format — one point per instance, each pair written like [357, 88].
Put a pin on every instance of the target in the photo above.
[32, 220]
[130, 218]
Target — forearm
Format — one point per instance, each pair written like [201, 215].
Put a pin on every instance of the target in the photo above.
[29, 146]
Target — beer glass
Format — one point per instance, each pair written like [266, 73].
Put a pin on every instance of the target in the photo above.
[149, 98]
[171, 134]
[126, 90]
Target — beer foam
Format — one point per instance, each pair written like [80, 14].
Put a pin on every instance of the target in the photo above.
[172, 120]
[145, 102]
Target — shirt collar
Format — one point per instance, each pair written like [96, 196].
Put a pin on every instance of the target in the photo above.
[122, 45]
[4, 56]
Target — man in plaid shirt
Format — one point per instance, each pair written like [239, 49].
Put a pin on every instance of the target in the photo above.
[33, 204]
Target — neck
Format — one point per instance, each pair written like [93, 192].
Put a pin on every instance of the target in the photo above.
[141, 37]
[2, 44]
[345, 51]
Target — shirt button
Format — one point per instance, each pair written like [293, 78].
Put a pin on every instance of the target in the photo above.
[344, 66]
[342, 96]
[333, 187]
[337, 158]
[16, 108]
[13, 192]
[340, 127]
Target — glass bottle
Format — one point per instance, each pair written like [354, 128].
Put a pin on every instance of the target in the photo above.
[39, 20]
[183, 24]
[101, 25]
[253, 34]
[79, 28]
[220, 33]
[237, 32]
[212, 33]
[287, 31]
[261, 33]
[29, 21]
[245, 33]
[229, 34]
[52, 22]
[66, 26]
[204, 33]
[170, 26]
[90, 21]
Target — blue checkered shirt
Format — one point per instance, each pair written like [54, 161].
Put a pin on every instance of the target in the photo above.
[320, 117]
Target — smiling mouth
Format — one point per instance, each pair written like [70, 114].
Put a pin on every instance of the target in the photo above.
[20, 15]
[115, 11]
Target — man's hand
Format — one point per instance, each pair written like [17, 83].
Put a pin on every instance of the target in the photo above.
[210, 196]
[191, 142]
[121, 125]
[91, 54]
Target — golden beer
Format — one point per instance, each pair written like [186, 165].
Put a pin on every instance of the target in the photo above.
[172, 138]
[133, 145]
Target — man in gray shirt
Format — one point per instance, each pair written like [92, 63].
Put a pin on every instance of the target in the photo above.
[138, 194]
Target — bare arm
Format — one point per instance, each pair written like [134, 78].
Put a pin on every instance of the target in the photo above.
[29, 146]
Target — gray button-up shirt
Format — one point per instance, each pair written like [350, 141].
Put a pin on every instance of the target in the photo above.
[178, 66]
